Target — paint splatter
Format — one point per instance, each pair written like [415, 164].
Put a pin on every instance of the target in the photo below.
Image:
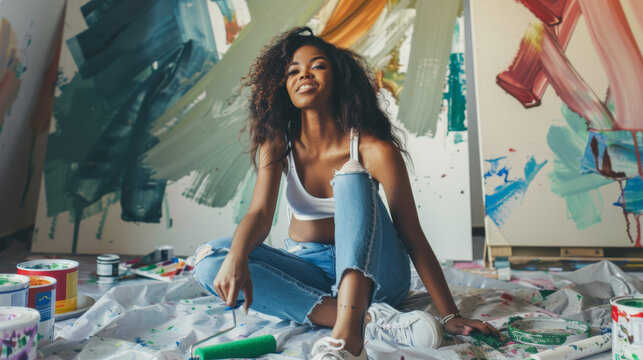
[506, 191]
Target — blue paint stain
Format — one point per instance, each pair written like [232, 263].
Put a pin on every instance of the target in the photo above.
[498, 204]
[606, 330]
[631, 200]
[612, 154]
[135, 60]
[141, 342]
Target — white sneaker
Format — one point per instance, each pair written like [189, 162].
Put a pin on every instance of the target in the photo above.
[415, 328]
[325, 350]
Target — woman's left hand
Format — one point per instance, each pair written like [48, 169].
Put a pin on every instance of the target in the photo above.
[463, 326]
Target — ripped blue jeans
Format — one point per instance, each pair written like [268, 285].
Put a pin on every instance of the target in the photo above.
[289, 283]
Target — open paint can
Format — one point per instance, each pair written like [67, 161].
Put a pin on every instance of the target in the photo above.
[66, 274]
[18, 333]
[107, 268]
[627, 327]
[42, 297]
[13, 290]
[164, 252]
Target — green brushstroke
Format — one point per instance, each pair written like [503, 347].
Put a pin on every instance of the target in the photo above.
[203, 135]
[458, 138]
[580, 191]
[421, 98]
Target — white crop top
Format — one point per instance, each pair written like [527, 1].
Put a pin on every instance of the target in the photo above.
[301, 204]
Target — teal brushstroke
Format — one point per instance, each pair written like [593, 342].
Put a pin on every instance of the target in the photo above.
[458, 138]
[504, 197]
[454, 96]
[580, 190]
[225, 8]
[135, 60]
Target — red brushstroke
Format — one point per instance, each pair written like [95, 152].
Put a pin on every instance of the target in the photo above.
[512, 150]
[524, 78]
[569, 85]
[621, 59]
[549, 11]
[639, 315]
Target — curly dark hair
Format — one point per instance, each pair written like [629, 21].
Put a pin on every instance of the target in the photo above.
[354, 94]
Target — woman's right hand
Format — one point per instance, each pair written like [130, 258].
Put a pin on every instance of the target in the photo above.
[234, 276]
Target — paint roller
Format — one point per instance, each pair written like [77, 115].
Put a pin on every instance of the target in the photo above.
[246, 348]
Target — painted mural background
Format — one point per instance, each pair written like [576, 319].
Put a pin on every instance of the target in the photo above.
[145, 150]
[560, 120]
[29, 39]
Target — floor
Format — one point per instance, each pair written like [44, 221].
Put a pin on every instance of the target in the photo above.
[147, 319]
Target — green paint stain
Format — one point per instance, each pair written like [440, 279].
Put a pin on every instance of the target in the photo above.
[490, 340]
[637, 303]
[457, 138]
[455, 94]
[635, 357]
[579, 296]
[171, 327]
[193, 308]
[531, 350]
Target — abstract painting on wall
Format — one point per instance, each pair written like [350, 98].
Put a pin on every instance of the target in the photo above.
[29, 38]
[145, 147]
[558, 87]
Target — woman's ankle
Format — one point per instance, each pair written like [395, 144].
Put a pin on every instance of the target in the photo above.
[354, 343]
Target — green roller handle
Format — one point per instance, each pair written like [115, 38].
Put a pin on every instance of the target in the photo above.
[246, 348]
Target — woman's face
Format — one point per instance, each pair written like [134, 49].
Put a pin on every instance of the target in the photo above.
[309, 78]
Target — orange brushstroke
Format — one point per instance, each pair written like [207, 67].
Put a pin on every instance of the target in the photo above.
[351, 20]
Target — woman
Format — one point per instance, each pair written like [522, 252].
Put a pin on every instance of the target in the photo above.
[314, 110]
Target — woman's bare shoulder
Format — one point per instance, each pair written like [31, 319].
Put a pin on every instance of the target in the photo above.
[378, 155]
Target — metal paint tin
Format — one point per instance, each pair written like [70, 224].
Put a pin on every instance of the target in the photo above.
[66, 274]
[107, 268]
[42, 297]
[13, 290]
[18, 333]
[627, 327]
[165, 252]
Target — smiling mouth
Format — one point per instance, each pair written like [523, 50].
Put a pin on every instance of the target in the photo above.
[306, 88]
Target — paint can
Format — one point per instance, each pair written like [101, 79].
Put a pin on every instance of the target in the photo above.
[42, 297]
[13, 290]
[66, 274]
[18, 333]
[107, 268]
[165, 252]
[627, 327]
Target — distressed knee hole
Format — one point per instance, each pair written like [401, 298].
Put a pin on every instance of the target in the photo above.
[202, 252]
[352, 166]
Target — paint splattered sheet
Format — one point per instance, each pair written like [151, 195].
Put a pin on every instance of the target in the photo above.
[145, 319]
